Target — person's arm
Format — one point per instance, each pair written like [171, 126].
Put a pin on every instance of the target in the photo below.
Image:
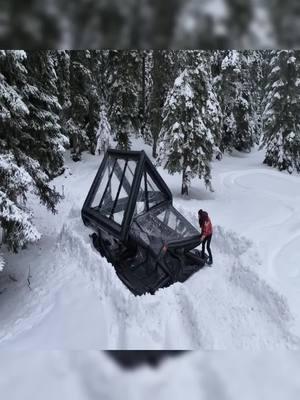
[203, 232]
[202, 235]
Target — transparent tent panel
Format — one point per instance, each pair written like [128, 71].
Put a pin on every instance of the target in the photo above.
[155, 195]
[103, 183]
[177, 224]
[141, 204]
[149, 195]
[129, 207]
[114, 189]
[164, 222]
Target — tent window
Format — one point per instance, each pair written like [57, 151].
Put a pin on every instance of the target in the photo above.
[154, 195]
[113, 193]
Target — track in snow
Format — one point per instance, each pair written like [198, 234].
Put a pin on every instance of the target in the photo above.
[279, 201]
[227, 306]
[77, 301]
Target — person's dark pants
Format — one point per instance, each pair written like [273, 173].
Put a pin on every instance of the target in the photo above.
[206, 242]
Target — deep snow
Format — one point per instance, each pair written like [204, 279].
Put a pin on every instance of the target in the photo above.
[249, 299]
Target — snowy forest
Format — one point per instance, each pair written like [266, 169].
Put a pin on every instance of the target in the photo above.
[190, 106]
[156, 24]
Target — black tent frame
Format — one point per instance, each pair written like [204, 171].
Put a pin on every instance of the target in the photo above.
[143, 165]
[157, 260]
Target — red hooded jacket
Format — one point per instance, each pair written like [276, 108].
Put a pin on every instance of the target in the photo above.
[206, 225]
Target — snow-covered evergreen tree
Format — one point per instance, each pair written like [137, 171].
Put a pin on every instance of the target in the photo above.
[14, 180]
[214, 24]
[230, 79]
[186, 141]
[97, 94]
[15, 218]
[255, 83]
[248, 109]
[240, 121]
[63, 87]
[281, 117]
[20, 171]
[285, 18]
[163, 73]
[43, 123]
[213, 109]
[80, 85]
[240, 15]
[246, 129]
[124, 79]
[104, 134]
[146, 89]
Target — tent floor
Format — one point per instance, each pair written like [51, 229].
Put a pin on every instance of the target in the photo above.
[141, 273]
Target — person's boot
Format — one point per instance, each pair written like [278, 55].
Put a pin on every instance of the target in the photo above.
[210, 261]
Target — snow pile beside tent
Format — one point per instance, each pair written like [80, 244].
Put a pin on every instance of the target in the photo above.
[229, 306]
[77, 302]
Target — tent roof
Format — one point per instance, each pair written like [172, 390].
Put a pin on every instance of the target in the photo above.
[126, 185]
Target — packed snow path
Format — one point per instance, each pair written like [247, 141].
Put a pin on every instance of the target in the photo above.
[248, 300]
[276, 204]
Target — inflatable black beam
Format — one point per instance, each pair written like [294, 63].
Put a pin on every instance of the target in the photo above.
[129, 208]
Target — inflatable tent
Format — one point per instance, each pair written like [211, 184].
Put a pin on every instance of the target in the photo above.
[130, 208]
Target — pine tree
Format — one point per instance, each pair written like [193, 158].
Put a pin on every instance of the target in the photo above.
[104, 134]
[19, 170]
[240, 122]
[214, 24]
[163, 74]
[248, 105]
[186, 141]
[63, 88]
[96, 95]
[213, 109]
[124, 80]
[245, 125]
[285, 19]
[43, 122]
[281, 121]
[80, 85]
[240, 15]
[163, 16]
[230, 75]
[255, 82]
[32, 26]
[146, 88]
[15, 218]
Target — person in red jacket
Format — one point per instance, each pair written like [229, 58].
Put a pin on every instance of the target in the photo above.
[206, 234]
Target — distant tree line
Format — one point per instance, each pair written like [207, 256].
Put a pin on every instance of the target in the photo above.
[190, 106]
[157, 24]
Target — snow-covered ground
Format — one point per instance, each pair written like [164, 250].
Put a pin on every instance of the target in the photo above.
[250, 299]
[196, 376]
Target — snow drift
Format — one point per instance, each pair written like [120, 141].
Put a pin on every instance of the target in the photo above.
[227, 306]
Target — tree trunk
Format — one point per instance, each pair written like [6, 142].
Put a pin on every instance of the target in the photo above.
[76, 149]
[184, 186]
[143, 124]
[154, 148]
